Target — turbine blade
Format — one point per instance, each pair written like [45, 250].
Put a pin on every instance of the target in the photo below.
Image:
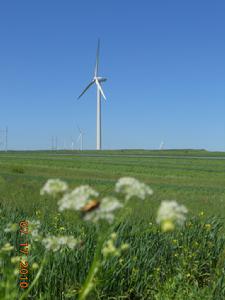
[97, 59]
[100, 88]
[90, 84]
[78, 138]
[78, 129]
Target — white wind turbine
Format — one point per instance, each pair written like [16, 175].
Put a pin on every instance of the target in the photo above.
[161, 147]
[72, 145]
[80, 138]
[97, 80]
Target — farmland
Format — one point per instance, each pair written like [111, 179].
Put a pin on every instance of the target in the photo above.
[188, 261]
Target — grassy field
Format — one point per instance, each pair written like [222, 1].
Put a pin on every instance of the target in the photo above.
[155, 267]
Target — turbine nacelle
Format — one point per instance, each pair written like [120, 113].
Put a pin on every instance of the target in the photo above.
[97, 80]
[100, 79]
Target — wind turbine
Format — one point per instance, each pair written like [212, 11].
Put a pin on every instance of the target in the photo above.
[80, 138]
[72, 144]
[161, 146]
[97, 80]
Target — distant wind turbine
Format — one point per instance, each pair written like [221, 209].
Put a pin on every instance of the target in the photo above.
[72, 144]
[161, 146]
[80, 138]
[97, 80]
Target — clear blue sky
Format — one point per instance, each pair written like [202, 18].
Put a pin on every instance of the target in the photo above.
[164, 60]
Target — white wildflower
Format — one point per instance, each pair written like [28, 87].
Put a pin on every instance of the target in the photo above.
[78, 198]
[132, 187]
[54, 187]
[34, 224]
[33, 229]
[171, 213]
[35, 235]
[105, 211]
[55, 243]
[7, 247]
[11, 227]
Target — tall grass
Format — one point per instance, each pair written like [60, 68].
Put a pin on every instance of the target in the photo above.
[186, 264]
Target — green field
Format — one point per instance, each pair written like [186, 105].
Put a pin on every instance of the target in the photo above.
[149, 270]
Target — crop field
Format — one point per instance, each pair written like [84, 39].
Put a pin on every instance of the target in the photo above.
[185, 263]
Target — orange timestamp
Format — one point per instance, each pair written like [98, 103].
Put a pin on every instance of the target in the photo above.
[23, 249]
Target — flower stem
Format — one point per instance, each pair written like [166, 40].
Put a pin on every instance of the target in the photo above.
[88, 284]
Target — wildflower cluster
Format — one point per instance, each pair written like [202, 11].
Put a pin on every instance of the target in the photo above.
[105, 211]
[78, 198]
[7, 248]
[171, 213]
[131, 187]
[34, 227]
[56, 243]
[11, 227]
[85, 199]
[54, 187]
[86, 202]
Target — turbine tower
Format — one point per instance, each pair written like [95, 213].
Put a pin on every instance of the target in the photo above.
[80, 138]
[97, 80]
[161, 147]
